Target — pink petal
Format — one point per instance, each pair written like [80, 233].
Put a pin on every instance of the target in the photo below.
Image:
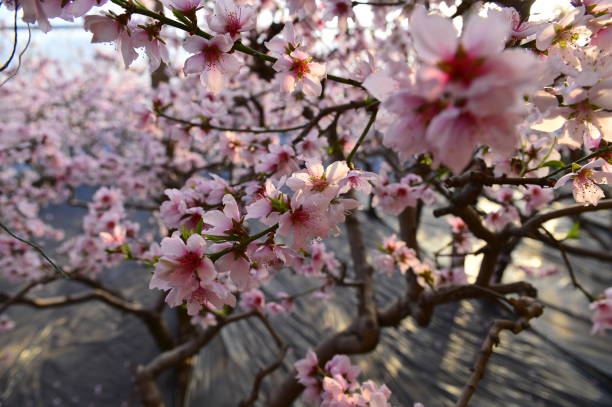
[194, 64]
[435, 37]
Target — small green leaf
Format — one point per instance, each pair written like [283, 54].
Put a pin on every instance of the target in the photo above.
[185, 232]
[426, 160]
[181, 16]
[574, 232]
[576, 167]
[553, 164]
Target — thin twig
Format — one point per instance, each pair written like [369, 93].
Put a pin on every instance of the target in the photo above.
[10, 58]
[535, 222]
[235, 130]
[527, 308]
[365, 132]
[568, 265]
[19, 58]
[261, 375]
[37, 248]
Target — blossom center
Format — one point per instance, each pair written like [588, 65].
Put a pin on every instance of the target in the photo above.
[299, 216]
[319, 184]
[190, 260]
[232, 23]
[212, 54]
[300, 67]
[462, 67]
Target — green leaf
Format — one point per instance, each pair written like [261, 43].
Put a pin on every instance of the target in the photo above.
[185, 232]
[553, 164]
[426, 160]
[574, 232]
[576, 167]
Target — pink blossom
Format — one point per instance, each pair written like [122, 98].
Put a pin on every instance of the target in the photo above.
[302, 7]
[394, 198]
[103, 28]
[307, 369]
[312, 147]
[204, 321]
[182, 268]
[186, 6]
[385, 263]
[602, 313]
[285, 42]
[113, 28]
[457, 224]
[268, 207]
[317, 180]
[155, 49]
[335, 392]
[451, 276]
[172, 211]
[237, 264]
[114, 239]
[280, 160]
[298, 72]
[563, 30]
[342, 9]
[320, 258]
[466, 94]
[211, 58]
[357, 180]
[304, 220]
[500, 218]
[253, 300]
[520, 29]
[585, 180]
[340, 365]
[78, 8]
[227, 223]
[376, 396]
[536, 197]
[40, 12]
[231, 19]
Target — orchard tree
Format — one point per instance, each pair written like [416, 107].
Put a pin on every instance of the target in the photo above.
[261, 135]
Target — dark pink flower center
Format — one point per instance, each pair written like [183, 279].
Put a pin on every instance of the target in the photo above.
[190, 260]
[212, 53]
[299, 216]
[232, 24]
[462, 67]
[341, 8]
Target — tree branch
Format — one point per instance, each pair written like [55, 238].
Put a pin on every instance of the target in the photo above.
[527, 308]
[535, 222]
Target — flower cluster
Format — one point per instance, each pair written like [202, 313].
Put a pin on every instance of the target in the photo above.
[394, 197]
[296, 68]
[336, 384]
[454, 99]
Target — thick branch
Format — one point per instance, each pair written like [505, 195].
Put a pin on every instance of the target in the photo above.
[146, 375]
[152, 320]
